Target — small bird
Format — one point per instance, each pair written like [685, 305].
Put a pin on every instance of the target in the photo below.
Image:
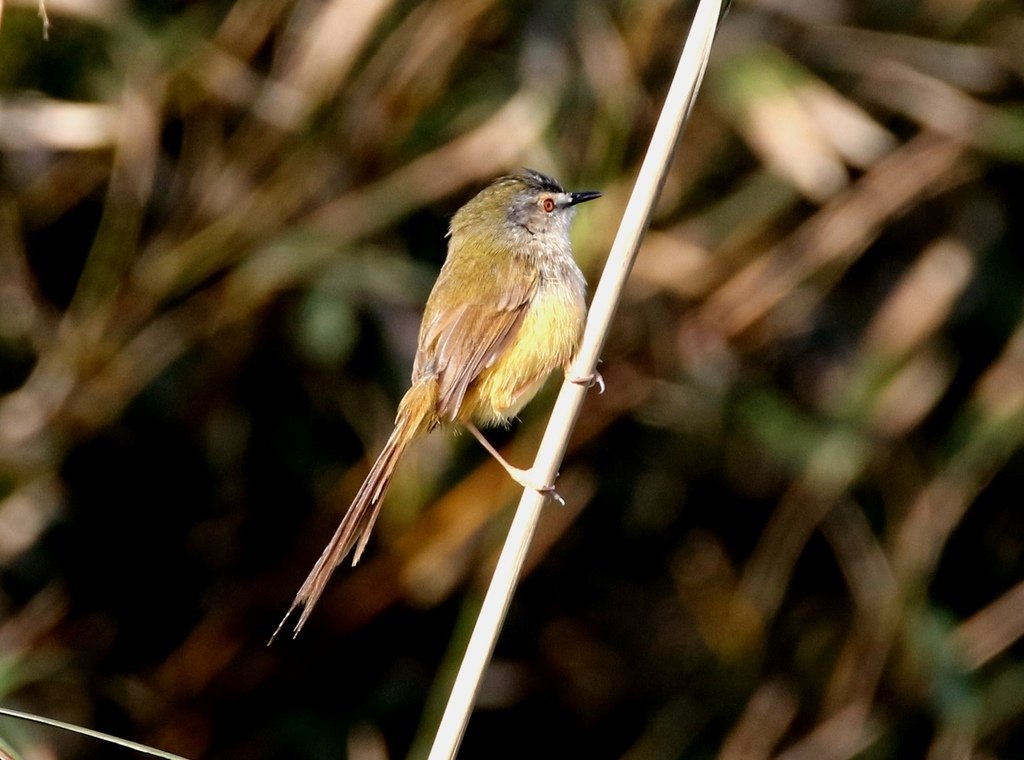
[508, 307]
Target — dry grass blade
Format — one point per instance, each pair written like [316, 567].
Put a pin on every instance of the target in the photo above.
[991, 630]
[837, 233]
[765, 719]
[992, 434]
[841, 737]
[99, 735]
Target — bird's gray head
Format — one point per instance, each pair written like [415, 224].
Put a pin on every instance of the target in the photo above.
[525, 205]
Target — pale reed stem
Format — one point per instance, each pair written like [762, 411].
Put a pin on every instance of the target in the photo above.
[678, 102]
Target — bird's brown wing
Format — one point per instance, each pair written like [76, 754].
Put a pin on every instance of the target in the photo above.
[460, 342]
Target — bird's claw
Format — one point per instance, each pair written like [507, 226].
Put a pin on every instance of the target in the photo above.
[551, 493]
[594, 378]
[526, 480]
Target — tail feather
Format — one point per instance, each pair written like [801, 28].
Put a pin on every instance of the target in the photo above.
[357, 524]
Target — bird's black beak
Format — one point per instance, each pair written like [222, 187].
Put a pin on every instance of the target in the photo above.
[583, 196]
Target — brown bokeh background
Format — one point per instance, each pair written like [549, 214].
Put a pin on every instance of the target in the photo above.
[793, 525]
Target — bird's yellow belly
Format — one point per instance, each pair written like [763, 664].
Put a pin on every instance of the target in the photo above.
[548, 338]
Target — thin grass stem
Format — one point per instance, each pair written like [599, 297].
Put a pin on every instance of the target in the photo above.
[134, 746]
[678, 103]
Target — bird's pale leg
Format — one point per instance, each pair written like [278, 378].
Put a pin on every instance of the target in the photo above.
[523, 477]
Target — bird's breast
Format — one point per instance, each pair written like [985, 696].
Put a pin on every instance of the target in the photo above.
[547, 339]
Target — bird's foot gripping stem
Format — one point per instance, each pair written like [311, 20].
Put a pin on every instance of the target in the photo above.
[589, 381]
[525, 478]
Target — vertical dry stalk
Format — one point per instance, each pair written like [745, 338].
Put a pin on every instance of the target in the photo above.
[678, 103]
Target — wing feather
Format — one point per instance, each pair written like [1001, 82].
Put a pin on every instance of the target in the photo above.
[458, 343]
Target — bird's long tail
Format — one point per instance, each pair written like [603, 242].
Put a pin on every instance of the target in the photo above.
[414, 417]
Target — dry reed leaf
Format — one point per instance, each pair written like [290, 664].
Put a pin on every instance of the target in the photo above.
[837, 234]
[922, 300]
[841, 737]
[46, 124]
[768, 715]
[991, 630]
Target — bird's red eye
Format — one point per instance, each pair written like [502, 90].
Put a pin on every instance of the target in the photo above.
[548, 204]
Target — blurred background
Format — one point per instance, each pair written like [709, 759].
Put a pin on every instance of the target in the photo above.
[793, 525]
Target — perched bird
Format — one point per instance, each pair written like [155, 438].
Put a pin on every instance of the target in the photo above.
[508, 307]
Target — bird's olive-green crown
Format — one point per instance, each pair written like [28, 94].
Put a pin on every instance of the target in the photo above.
[529, 202]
